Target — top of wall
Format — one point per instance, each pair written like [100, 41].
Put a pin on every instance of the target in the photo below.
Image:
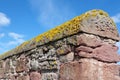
[95, 22]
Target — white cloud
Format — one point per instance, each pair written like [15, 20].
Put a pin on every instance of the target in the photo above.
[4, 20]
[2, 35]
[14, 40]
[116, 18]
[15, 35]
[51, 12]
[17, 38]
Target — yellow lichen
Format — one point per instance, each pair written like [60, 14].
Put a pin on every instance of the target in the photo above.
[66, 29]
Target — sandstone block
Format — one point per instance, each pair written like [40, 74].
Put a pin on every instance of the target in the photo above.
[105, 52]
[96, 70]
[23, 77]
[100, 25]
[88, 40]
[89, 69]
[7, 66]
[70, 71]
[111, 71]
[2, 73]
[84, 49]
[21, 64]
[2, 69]
[35, 76]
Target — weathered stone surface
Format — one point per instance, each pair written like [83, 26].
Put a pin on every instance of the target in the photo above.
[35, 76]
[49, 76]
[70, 71]
[105, 52]
[70, 56]
[81, 49]
[88, 40]
[84, 49]
[72, 40]
[34, 64]
[96, 70]
[67, 58]
[89, 69]
[2, 69]
[63, 50]
[111, 72]
[21, 64]
[23, 77]
[2, 73]
[7, 66]
[100, 25]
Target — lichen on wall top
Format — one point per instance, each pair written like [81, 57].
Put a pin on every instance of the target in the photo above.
[80, 49]
[95, 21]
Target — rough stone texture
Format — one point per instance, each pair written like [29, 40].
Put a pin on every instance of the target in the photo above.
[89, 69]
[2, 69]
[100, 25]
[21, 64]
[105, 52]
[1, 72]
[24, 77]
[50, 76]
[89, 40]
[7, 66]
[35, 76]
[80, 49]
[64, 49]
[70, 71]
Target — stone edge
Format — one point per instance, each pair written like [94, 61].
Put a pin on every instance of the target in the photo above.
[68, 28]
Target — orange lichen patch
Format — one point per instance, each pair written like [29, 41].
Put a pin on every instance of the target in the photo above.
[68, 28]
[21, 46]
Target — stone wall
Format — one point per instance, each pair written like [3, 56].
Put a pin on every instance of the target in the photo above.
[80, 49]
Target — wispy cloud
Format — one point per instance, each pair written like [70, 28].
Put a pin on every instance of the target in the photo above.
[51, 12]
[17, 38]
[4, 20]
[14, 40]
[2, 35]
[15, 35]
[116, 18]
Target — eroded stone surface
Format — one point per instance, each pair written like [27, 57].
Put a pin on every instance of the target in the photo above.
[23, 77]
[21, 64]
[100, 25]
[70, 71]
[89, 69]
[49, 76]
[105, 52]
[35, 76]
[81, 49]
[88, 40]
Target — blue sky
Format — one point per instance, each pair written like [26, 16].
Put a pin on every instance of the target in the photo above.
[21, 20]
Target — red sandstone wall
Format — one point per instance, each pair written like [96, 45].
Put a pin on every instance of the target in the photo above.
[89, 54]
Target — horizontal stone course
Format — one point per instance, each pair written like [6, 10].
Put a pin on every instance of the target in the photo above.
[80, 49]
[94, 22]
